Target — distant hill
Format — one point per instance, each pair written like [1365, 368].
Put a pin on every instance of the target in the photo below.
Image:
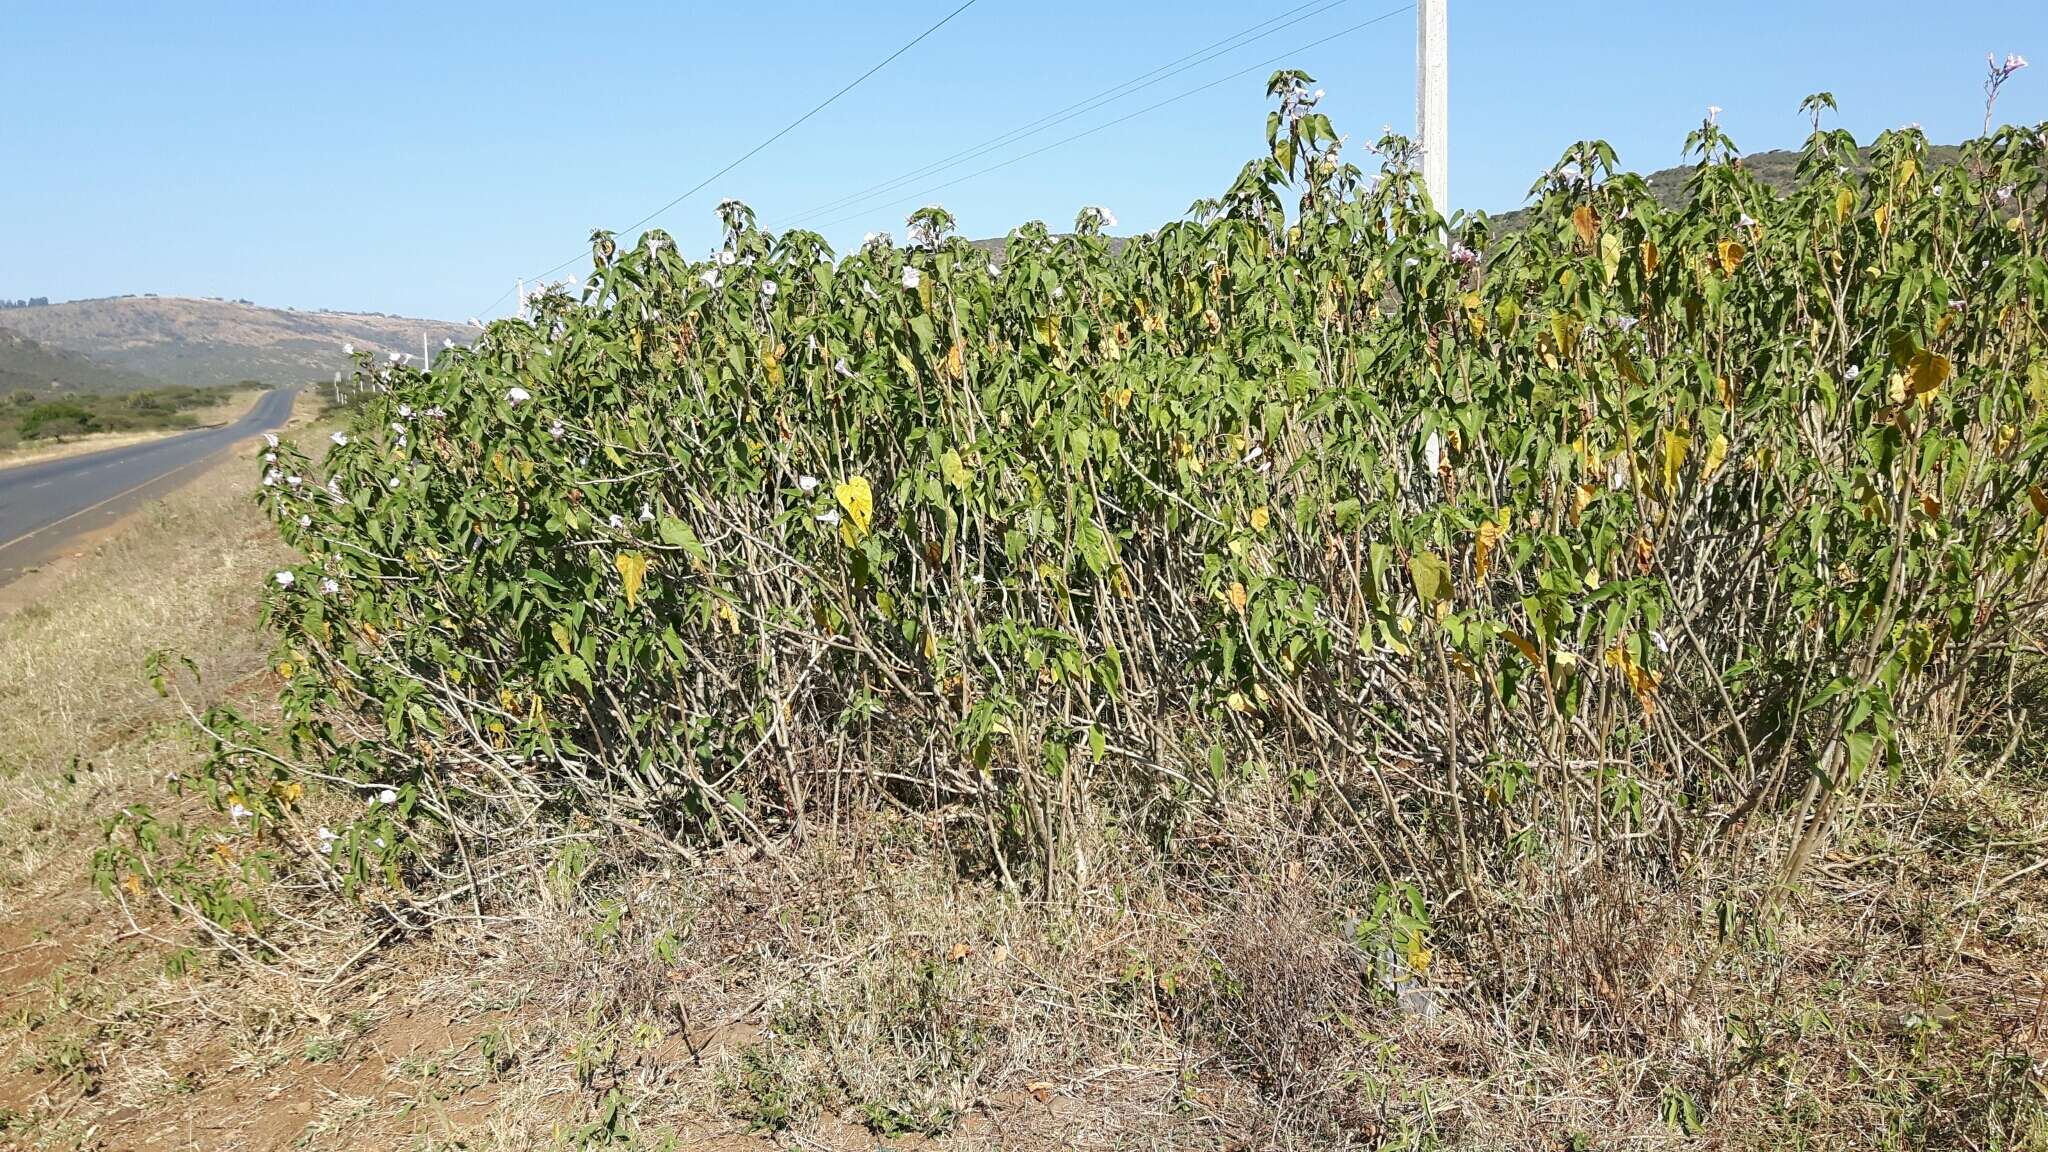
[1777, 170]
[26, 365]
[180, 340]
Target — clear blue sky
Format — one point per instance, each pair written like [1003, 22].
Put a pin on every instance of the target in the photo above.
[415, 158]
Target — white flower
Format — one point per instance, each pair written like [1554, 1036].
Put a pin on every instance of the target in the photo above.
[1433, 453]
[435, 413]
[305, 520]
[270, 457]
[828, 517]
[348, 349]
[271, 478]
[327, 838]
[726, 257]
[237, 813]
[1658, 642]
[398, 428]
[393, 357]
[994, 270]
[867, 239]
[405, 410]
[911, 278]
[807, 483]
[647, 513]
[285, 579]
[1254, 454]
[379, 841]
[768, 289]
[1410, 262]
[840, 366]
[1059, 292]
[387, 796]
[294, 481]
[270, 438]
[403, 441]
[1746, 222]
[1618, 478]
[447, 342]
[394, 482]
[555, 430]
[339, 438]
[1713, 113]
[517, 395]
[330, 586]
[617, 522]
[709, 277]
[1852, 373]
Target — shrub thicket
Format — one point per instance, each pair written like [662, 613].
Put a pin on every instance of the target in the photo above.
[1579, 553]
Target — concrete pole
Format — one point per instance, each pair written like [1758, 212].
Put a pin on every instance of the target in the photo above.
[1433, 99]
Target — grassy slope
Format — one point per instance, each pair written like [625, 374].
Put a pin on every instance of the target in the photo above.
[219, 342]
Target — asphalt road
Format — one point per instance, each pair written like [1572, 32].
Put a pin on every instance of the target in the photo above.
[45, 508]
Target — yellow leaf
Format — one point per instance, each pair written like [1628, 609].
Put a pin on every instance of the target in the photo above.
[1610, 256]
[956, 363]
[1584, 224]
[772, 364]
[905, 365]
[954, 469]
[858, 499]
[1727, 392]
[1238, 703]
[1649, 258]
[1238, 597]
[1731, 253]
[1845, 203]
[632, 568]
[931, 647]
[1260, 518]
[1717, 451]
[1883, 215]
[1930, 506]
[1675, 445]
[1926, 372]
[132, 882]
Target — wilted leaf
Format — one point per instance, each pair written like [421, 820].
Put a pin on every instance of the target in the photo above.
[1731, 253]
[1584, 224]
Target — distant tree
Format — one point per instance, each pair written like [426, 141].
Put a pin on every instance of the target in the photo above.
[56, 419]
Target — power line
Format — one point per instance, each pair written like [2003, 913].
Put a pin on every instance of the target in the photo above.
[752, 152]
[1384, 16]
[1172, 68]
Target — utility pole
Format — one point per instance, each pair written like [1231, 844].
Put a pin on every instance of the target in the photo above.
[1433, 99]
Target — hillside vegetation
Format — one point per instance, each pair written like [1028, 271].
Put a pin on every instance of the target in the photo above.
[1297, 679]
[215, 342]
[27, 366]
